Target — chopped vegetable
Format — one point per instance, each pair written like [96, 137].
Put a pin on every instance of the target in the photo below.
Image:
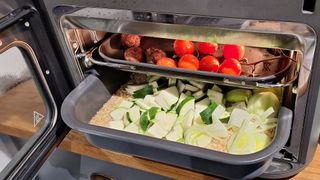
[167, 108]
[116, 125]
[238, 95]
[197, 84]
[153, 78]
[206, 115]
[132, 88]
[134, 114]
[237, 117]
[147, 116]
[126, 104]
[157, 131]
[118, 113]
[141, 93]
[186, 105]
[181, 86]
[260, 102]
[133, 128]
[215, 96]
[216, 130]
[176, 133]
[191, 88]
[172, 81]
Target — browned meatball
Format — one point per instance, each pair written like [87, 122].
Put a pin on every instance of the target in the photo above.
[130, 40]
[134, 54]
[153, 54]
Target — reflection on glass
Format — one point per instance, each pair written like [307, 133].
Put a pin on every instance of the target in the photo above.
[22, 110]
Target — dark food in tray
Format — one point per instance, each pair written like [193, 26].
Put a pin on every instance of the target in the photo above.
[232, 120]
[203, 56]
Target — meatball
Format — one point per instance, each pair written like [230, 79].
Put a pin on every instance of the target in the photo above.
[130, 40]
[153, 54]
[133, 54]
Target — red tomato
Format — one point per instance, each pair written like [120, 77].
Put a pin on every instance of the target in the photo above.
[209, 63]
[168, 62]
[187, 65]
[233, 51]
[182, 47]
[189, 58]
[207, 48]
[230, 66]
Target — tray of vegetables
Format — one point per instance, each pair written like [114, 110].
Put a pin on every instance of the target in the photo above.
[240, 65]
[182, 122]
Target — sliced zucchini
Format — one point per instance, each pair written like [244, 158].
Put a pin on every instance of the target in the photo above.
[191, 88]
[172, 81]
[198, 95]
[197, 84]
[181, 98]
[206, 115]
[133, 128]
[142, 104]
[134, 114]
[167, 121]
[188, 119]
[118, 113]
[216, 88]
[218, 111]
[153, 78]
[126, 104]
[188, 93]
[154, 84]
[202, 105]
[132, 88]
[171, 95]
[224, 118]
[141, 93]
[181, 86]
[150, 100]
[157, 131]
[238, 95]
[116, 125]
[185, 106]
[147, 116]
[160, 99]
[176, 133]
[126, 120]
[215, 96]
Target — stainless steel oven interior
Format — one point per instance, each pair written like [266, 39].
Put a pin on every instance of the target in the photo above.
[85, 29]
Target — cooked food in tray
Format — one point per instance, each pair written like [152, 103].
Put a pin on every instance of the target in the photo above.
[232, 120]
[227, 59]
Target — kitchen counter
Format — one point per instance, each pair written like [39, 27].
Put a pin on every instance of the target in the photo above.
[77, 143]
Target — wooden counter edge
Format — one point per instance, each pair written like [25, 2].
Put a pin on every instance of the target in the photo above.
[76, 142]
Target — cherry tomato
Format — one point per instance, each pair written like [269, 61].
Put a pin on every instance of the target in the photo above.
[209, 63]
[187, 65]
[207, 48]
[182, 47]
[190, 59]
[168, 62]
[230, 66]
[233, 51]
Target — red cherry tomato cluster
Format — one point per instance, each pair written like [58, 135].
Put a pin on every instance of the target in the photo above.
[185, 50]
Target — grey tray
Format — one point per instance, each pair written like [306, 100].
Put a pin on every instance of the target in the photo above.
[86, 99]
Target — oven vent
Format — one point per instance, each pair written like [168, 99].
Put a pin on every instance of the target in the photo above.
[308, 6]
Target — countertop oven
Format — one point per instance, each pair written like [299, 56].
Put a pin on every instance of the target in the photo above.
[78, 70]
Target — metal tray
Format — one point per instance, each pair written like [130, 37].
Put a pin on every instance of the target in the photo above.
[114, 58]
[86, 99]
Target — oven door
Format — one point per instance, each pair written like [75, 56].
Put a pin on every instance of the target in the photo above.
[32, 87]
